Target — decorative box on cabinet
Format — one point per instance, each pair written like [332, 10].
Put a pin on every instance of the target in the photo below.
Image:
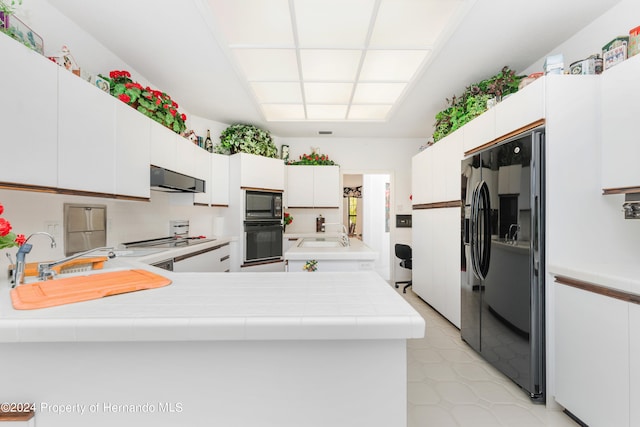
[30, 143]
[620, 111]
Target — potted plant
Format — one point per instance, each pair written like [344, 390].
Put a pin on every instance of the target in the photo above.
[154, 104]
[473, 101]
[243, 138]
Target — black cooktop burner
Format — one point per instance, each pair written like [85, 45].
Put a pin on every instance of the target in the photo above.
[167, 242]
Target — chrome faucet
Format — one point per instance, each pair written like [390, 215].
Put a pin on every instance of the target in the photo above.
[45, 269]
[17, 276]
[513, 236]
[345, 234]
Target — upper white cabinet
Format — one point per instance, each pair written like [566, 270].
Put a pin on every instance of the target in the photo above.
[260, 172]
[133, 132]
[220, 179]
[436, 171]
[313, 186]
[620, 112]
[480, 130]
[520, 109]
[201, 169]
[163, 147]
[29, 111]
[86, 136]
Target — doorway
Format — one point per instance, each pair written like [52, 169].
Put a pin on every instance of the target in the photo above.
[367, 214]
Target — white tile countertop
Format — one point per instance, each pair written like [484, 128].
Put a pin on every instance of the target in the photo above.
[224, 306]
[622, 277]
[356, 250]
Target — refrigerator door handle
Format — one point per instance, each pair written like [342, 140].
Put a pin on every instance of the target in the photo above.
[475, 200]
[485, 251]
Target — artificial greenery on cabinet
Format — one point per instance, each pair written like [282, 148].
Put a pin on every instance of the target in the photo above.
[243, 138]
[473, 101]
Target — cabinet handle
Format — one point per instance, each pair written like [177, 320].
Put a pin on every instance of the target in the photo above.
[224, 258]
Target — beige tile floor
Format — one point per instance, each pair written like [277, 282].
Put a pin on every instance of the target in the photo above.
[449, 385]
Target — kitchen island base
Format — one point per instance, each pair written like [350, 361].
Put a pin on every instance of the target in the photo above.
[280, 383]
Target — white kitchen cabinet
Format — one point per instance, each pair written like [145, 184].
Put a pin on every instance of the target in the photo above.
[592, 356]
[202, 169]
[133, 133]
[520, 109]
[313, 186]
[634, 368]
[220, 180]
[187, 154]
[163, 146]
[259, 172]
[436, 259]
[480, 130]
[620, 111]
[86, 136]
[29, 104]
[214, 259]
[436, 171]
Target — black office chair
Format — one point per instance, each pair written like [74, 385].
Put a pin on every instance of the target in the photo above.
[404, 253]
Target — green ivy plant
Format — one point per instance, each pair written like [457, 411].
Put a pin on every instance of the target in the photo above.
[243, 138]
[473, 101]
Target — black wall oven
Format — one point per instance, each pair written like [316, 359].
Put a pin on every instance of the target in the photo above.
[262, 241]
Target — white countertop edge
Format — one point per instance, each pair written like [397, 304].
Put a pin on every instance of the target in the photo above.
[622, 277]
[212, 329]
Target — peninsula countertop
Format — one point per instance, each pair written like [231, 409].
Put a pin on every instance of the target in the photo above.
[224, 306]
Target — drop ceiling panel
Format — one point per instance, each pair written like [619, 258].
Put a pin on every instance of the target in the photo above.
[333, 23]
[368, 112]
[283, 112]
[328, 93]
[329, 65]
[391, 65]
[378, 93]
[326, 112]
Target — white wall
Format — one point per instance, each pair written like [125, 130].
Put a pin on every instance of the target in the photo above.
[616, 22]
[127, 221]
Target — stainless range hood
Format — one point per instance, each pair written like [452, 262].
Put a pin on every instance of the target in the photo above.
[174, 182]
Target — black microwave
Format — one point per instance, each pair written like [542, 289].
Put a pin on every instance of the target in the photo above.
[262, 205]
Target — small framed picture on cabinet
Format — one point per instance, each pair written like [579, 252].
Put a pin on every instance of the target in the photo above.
[284, 152]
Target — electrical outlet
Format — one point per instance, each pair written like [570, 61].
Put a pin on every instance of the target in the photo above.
[54, 228]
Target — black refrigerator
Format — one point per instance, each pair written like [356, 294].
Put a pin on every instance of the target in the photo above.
[502, 258]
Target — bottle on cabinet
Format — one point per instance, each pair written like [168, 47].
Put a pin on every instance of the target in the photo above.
[319, 224]
[208, 143]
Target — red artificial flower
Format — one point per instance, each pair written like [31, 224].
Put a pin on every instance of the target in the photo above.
[174, 104]
[173, 112]
[5, 227]
[158, 102]
[124, 98]
[114, 74]
[1, 208]
[20, 239]
[183, 117]
[126, 73]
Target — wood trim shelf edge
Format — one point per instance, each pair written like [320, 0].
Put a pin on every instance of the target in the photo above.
[54, 190]
[620, 190]
[438, 205]
[599, 289]
[506, 136]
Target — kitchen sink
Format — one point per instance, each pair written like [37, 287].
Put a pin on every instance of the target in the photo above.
[321, 243]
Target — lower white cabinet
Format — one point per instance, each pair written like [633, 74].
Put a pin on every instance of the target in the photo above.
[436, 259]
[634, 367]
[214, 259]
[592, 356]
